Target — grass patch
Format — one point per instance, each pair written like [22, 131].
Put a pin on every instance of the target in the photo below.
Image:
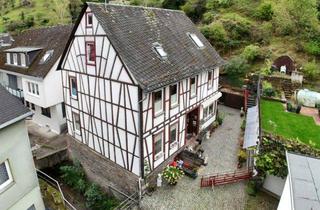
[289, 125]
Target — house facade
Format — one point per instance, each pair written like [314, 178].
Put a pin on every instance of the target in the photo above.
[138, 83]
[19, 188]
[28, 71]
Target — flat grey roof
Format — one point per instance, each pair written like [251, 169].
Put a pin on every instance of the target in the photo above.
[251, 134]
[22, 49]
[304, 174]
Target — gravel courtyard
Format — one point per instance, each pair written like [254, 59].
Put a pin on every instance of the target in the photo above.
[222, 151]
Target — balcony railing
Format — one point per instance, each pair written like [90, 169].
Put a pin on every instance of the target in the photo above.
[16, 92]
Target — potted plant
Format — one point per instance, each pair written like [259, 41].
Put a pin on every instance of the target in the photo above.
[242, 158]
[172, 174]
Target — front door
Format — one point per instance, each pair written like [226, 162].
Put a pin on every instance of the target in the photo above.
[193, 122]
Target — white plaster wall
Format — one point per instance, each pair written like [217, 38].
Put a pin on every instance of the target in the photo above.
[55, 123]
[50, 89]
[274, 184]
[15, 147]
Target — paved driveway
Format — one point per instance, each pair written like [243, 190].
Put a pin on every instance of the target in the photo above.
[222, 151]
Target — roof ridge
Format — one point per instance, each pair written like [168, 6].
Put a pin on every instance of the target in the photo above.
[137, 6]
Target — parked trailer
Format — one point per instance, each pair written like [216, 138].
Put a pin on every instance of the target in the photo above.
[308, 98]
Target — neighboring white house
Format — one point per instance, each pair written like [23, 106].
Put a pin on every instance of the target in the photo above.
[138, 83]
[301, 191]
[28, 71]
[19, 187]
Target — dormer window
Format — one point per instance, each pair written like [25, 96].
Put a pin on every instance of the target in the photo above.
[23, 59]
[8, 58]
[89, 20]
[46, 56]
[160, 51]
[196, 40]
[15, 59]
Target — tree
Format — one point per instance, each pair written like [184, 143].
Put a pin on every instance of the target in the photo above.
[237, 66]
[59, 7]
[173, 4]
[75, 9]
[194, 9]
[311, 70]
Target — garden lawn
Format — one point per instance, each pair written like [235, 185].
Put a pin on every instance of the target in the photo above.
[289, 125]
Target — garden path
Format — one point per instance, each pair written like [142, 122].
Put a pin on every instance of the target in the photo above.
[221, 149]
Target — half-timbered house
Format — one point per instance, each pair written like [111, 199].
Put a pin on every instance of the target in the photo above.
[137, 82]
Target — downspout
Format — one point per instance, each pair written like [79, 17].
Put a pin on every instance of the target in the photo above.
[141, 132]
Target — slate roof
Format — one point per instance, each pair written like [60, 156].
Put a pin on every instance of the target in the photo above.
[304, 175]
[10, 107]
[50, 38]
[133, 30]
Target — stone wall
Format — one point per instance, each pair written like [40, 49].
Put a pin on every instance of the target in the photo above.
[103, 171]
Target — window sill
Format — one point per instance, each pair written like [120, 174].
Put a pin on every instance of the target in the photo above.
[34, 95]
[74, 97]
[5, 188]
[193, 96]
[158, 114]
[173, 106]
[158, 156]
[173, 145]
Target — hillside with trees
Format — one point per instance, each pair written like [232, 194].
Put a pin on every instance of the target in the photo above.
[250, 34]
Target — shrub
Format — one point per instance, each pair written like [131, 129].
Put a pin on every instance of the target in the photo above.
[173, 4]
[282, 22]
[216, 34]
[268, 89]
[215, 4]
[194, 9]
[238, 27]
[264, 12]
[251, 53]
[208, 17]
[74, 176]
[94, 197]
[237, 66]
[312, 47]
[311, 70]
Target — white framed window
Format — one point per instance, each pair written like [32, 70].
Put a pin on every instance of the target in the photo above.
[196, 40]
[76, 122]
[208, 111]
[23, 59]
[173, 138]
[8, 58]
[158, 102]
[210, 79]
[158, 145]
[5, 175]
[33, 88]
[173, 95]
[89, 20]
[15, 58]
[193, 86]
[160, 51]
[73, 87]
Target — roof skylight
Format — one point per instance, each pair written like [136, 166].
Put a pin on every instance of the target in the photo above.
[46, 56]
[160, 51]
[196, 40]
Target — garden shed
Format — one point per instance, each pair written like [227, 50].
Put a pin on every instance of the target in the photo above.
[286, 61]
